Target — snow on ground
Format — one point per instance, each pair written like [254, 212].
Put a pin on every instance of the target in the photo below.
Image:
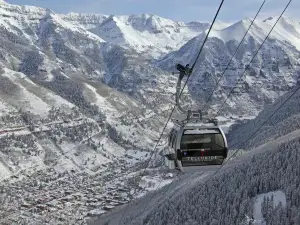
[111, 147]
[152, 200]
[131, 133]
[16, 133]
[135, 156]
[69, 155]
[46, 95]
[279, 196]
[153, 183]
[115, 106]
[93, 96]
[89, 158]
[27, 99]
[96, 212]
[36, 105]
[28, 164]
[4, 172]
[4, 108]
[226, 123]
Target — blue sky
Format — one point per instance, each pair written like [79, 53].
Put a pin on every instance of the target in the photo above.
[179, 10]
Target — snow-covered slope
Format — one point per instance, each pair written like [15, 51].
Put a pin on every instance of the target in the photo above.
[264, 203]
[268, 195]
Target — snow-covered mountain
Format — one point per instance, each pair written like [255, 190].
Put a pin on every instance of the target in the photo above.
[83, 98]
[59, 124]
[149, 34]
[259, 187]
[274, 70]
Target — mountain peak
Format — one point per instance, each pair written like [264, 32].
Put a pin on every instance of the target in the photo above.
[234, 31]
[243, 24]
[220, 25]
[269, 18]
[273, 19]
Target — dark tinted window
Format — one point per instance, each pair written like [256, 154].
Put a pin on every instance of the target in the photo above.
[213, 141]
[171, 136]
[174, 139]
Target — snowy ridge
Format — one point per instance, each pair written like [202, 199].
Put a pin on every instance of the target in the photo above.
[147, 33]
[220, 25]
[87, 20]
[286, 30]
[237, 30]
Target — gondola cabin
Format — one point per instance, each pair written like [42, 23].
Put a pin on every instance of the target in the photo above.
[195, 144]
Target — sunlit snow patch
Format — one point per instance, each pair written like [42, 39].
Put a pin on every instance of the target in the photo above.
[258, 218]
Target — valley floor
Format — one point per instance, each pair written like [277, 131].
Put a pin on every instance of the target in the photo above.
[60, 198]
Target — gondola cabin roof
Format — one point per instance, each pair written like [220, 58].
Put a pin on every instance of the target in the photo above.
[196, 125]
[200, 125]
[202, 131]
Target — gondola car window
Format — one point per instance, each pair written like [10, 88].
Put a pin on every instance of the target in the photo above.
[197, 139]
[174, 140]
[170, 137]
[220, 144]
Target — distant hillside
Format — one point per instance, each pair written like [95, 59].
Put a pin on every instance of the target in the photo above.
[284, 121]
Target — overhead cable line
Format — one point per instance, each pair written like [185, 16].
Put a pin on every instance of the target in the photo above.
[236, 50]
[231, 91]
